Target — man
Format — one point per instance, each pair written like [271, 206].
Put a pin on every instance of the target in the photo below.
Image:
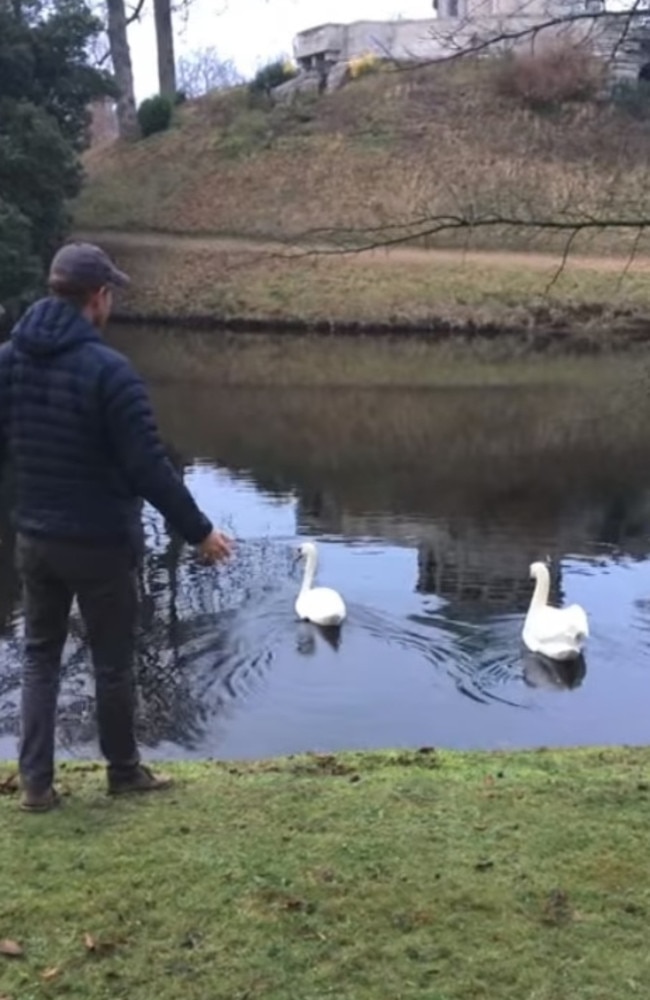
[77, 425]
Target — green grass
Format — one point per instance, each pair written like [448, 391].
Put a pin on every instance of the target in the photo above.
[437, 876]
[174, 278]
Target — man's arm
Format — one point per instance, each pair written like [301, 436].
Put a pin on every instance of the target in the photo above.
[137, 444]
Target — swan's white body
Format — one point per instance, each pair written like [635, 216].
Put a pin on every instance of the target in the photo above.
[558, 633]
[320, 605]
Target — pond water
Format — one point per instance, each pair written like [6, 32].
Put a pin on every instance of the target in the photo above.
[428, 506]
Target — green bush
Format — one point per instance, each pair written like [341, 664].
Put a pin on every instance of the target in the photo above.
[46, 85]
[272, 75]
[155, 115]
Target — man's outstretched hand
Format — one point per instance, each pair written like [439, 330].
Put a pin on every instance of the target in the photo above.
[216, 547]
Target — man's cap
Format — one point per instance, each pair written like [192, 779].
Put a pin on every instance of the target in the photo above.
[86, 266]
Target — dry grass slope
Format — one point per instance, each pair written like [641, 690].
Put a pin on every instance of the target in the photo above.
[389, 148]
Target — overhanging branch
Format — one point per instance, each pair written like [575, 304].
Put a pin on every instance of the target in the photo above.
[349, 241]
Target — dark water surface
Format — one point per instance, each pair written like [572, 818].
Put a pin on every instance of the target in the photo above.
[428, 506]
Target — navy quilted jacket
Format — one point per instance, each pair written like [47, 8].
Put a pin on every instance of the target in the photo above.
[77, 425]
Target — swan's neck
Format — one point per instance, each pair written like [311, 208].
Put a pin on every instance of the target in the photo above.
[542, 588]
[311, 561]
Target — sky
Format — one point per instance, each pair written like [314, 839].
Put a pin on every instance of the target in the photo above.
[251, 32]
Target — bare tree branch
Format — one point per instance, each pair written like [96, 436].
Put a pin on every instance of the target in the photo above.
[374, 238]
[630, 260]
[135, 13]
[102, 53]
[203, 70]
[470, 36]
[565, 256]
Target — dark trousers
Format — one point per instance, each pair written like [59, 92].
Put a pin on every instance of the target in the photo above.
[103, 580]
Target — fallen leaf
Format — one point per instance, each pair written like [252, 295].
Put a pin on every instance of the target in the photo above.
[10, 948]
[50, 974]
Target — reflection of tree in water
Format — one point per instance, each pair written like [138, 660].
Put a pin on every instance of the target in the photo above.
[9, 686]
[9, 587]
[191, 665]
[495, 577]
[190, 669]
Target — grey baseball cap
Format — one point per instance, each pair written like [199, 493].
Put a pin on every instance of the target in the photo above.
[86, 266]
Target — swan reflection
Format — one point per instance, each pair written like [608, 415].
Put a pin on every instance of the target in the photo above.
[539, 671]
[306, 643]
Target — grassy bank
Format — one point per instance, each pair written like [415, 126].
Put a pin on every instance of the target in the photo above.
[591, 305]
[445, 876]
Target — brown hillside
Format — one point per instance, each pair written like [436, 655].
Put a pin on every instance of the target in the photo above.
[389, 148]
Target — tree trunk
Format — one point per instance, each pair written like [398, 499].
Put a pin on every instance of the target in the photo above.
[127, 121]
[165, 44]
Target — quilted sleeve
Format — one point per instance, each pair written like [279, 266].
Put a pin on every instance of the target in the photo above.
[139, 449]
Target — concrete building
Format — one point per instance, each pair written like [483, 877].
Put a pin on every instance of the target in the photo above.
[323, 53]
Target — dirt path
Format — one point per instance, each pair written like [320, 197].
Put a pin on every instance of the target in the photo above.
[509, 260]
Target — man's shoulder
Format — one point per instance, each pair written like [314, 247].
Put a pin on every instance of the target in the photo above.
[111, 363]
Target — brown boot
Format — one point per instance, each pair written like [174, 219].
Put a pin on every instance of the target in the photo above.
[142, 780]
[40, 802]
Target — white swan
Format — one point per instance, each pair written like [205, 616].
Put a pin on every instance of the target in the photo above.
[558, 633]
[320, 605]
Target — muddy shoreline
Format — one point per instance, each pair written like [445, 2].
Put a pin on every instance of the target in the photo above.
[564, 338]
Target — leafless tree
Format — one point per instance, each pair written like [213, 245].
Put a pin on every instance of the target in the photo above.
[113, 48]
[165, 47]
[120, 55]
[203, 70]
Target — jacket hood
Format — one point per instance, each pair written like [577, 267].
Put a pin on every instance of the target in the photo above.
[50, 327]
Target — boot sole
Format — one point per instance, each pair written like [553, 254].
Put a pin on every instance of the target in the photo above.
[45, 807]
[142, 790]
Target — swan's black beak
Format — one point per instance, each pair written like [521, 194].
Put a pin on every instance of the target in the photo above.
[296, 559]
